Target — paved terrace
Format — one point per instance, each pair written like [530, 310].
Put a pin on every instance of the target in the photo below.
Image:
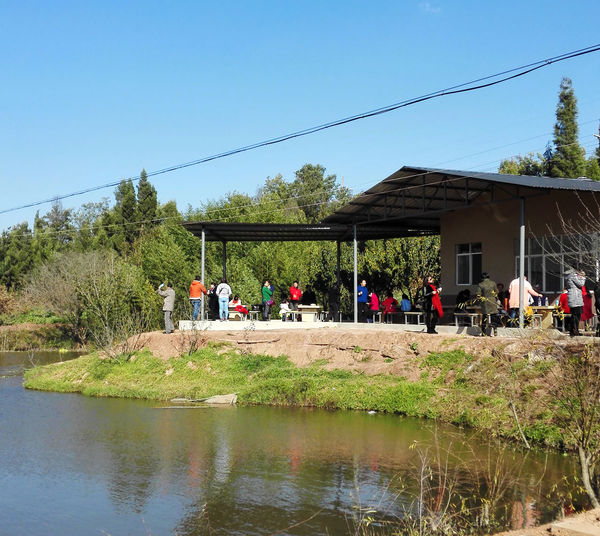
[249, 325]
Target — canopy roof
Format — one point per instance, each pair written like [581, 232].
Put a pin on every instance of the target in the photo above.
[409, 202]
[286, 232]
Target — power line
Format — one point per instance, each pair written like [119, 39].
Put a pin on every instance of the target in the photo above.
[506, 75]
[94, 227]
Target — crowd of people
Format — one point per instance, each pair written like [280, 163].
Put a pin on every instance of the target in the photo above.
[580, 301]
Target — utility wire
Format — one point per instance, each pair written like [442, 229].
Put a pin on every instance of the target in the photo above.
[509, 74]
[94, 227]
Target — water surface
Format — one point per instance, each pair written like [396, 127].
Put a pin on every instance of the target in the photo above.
[76, 465]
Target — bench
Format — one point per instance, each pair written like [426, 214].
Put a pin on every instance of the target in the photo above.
[466, 319]
[375, 314]
[236, 315]
[389, 317]
[253, 315]
[417, 315]
[561, 321]
[293, 315]
[536, 318]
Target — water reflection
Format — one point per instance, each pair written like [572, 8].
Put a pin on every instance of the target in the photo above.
[73, 465]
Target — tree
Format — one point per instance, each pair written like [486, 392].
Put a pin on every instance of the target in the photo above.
[524, 165]
[147, 204]
[59, 224]
[316, 194]
[125, 210]
[576, 392]
[568, 158]
[97, 292]
[15, 255]
[598, 148]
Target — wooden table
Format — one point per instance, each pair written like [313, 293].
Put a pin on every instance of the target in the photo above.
[546, 312]
[310, 313]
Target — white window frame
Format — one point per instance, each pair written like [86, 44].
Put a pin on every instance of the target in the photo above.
[470, 255]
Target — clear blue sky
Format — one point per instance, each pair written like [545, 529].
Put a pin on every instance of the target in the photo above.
[94, 91]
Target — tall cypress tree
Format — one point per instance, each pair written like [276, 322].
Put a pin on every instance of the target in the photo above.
[568, 158]
[146, 201]
[598, 148]
[126, 210]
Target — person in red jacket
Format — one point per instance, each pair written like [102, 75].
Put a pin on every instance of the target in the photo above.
[197, 289]
[563, 303]
[295, 295]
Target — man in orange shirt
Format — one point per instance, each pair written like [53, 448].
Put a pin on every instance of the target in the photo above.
[197, 289]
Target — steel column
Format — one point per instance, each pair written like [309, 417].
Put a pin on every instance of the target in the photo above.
[202, 277]
[355, 278]
[522, 266]
[224, 259]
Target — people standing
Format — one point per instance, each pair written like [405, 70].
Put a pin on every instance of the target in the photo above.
[487, 293]
[513, 290]
[574, 281]
[168, 305]
[334, 303]
[309, 297]
[223, 293]
[267, 299]
[433, 304]
[197, 289]
[295, 296]
[213, 302]
[363, 298]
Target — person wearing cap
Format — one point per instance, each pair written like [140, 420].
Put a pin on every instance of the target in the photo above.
[487, 297]
[168, 305]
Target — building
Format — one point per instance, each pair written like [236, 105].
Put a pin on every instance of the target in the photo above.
[480, 216]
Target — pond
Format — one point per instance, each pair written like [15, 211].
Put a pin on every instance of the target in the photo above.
[76, 465]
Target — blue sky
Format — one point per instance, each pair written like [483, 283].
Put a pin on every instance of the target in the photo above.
[95, 91]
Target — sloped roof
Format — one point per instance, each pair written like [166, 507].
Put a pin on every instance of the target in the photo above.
[417, 197]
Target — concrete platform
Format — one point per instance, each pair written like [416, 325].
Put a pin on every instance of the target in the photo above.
[249, 325]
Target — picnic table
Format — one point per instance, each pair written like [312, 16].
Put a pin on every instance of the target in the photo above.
[310, 313]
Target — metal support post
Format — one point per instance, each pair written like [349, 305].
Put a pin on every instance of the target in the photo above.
[355, 278]
[202, 277]
[522, 266]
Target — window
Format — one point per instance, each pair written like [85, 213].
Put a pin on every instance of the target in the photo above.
[468, 263]
[548, 258]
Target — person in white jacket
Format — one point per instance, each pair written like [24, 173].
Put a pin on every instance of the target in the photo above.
[223, 292]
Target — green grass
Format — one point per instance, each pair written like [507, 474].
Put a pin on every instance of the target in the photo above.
[257, 379]
[449, 387]
[34, 316]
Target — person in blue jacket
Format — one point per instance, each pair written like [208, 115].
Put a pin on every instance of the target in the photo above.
[363, 298]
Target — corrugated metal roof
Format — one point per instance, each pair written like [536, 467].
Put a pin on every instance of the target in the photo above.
[418, 196]
[279, 232]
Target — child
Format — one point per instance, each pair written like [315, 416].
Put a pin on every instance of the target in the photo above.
[284, 309]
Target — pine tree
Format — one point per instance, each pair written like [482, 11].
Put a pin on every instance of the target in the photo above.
[598, 148]
[568, 158]
[146, 202]
[126, 210]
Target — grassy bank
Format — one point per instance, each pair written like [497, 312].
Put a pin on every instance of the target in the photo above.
[35, 337]
[454, 386]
